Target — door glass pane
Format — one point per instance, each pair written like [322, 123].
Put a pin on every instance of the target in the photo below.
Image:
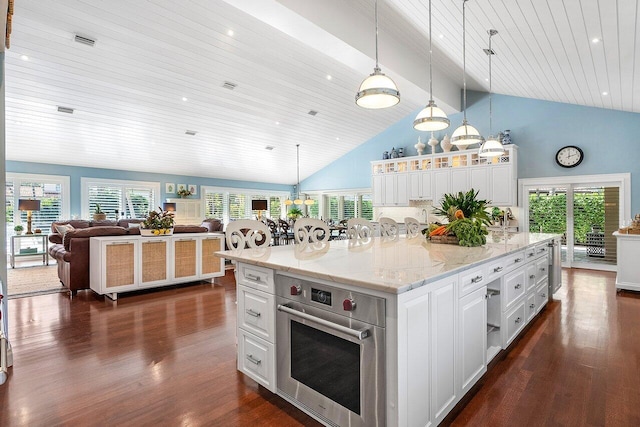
[367, 207]
[595, 218]
[548, 213]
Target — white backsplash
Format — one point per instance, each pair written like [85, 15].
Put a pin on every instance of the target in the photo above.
[420, 210]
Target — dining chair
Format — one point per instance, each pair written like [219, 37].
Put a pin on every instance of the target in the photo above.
[311, 230]
[388, 227]
[286, 234]
[359, 228]
[275, 233]
[247, 233]
[414, 229]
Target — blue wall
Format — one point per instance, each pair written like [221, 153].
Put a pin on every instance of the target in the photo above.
[75, 173]
[539, 128]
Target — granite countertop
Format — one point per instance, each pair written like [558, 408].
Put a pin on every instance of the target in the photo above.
[392, 266]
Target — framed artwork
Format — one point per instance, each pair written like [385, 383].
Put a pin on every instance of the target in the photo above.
[169, 188]
[193, 188]
[181, 187]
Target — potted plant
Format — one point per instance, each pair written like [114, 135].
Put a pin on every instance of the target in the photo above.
[294, 213]
[184, 193]
[467, 218]
[98, 215]
[157, 222]
[18, 229]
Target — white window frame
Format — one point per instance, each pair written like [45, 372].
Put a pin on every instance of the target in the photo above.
[63, 180]
[85, 182]
[324, 206]
[248, 192]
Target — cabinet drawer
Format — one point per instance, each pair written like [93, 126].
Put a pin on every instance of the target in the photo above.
[255, 277]
[542, 269]
[497, 268]
[256, 359]
[515, 260]
[514, 287]
[530, 276]
[542, 294]
[471, 280]
[541, 249]
[530, 253]
[515, 321]
[256, 312]
[531, 307]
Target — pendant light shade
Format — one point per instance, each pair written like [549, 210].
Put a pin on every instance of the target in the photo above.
[492, 147]
[309, 201]
[431, 118]
[465, 134]
[377, 90]
[288, 202]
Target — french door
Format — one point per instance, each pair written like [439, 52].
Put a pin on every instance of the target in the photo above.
[584, 210]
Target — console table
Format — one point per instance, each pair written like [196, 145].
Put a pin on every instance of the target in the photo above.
[129, 263]
[40, 248]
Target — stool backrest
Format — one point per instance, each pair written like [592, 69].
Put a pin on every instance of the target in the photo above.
[247, 233]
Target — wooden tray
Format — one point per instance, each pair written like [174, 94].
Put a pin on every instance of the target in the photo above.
[629, 230]
[448, 240]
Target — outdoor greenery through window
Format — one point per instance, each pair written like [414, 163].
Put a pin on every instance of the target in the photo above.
[119, 199]
[52, 191]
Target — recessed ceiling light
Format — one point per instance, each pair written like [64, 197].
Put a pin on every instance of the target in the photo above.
[329, 77]
[595, 40]
[605, 93]
[277, 123]
[230, 33]
[441, 36]
[486, 80]
[185, 99]
[337, 138]
[24, 57]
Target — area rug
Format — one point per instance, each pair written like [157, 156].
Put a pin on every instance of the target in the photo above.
[28, 281]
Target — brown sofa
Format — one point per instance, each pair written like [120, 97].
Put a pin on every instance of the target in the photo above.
[72, 252]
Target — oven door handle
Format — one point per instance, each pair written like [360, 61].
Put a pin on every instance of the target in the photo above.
[356, 333]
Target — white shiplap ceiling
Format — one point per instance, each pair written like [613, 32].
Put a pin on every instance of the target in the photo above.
[127, 91]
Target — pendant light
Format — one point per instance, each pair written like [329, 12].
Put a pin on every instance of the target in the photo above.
[492, 147]
[377, 90]
[465, 134]
[431, 118]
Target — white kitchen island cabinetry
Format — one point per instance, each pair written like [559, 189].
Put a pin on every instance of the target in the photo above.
[449, 310]
[129, 263]
[628, 270]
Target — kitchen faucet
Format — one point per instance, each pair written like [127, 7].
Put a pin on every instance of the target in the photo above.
[426, 215]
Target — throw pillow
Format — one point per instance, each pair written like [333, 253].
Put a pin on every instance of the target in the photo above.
[64, 228]
[134, 225]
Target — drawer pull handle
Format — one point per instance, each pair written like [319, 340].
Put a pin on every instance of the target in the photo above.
[532, 306]
[542, 250]
[250, 312]
[253, 277]
[517, 260]
[533, 276]
[518, 320]
[253, 360]
[476, 279]
[517, 286]
[497, 269]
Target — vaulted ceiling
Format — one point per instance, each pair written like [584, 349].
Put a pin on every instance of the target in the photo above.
[160, 68]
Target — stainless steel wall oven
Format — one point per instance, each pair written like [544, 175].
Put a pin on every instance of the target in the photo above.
[330, 356]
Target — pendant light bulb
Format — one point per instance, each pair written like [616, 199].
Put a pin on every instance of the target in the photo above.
[465, 134]
[492, 147]
[377, 90]
[431, 118]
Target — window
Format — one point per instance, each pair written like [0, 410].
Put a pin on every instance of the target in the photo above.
[51, 190]
[230, 204]
[119, 199]
[343, 205]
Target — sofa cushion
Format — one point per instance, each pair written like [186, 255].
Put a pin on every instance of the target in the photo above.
[93, 232]
[212, 224]
[55, 238]
[189, 229]
[76, 223]
[103, 223]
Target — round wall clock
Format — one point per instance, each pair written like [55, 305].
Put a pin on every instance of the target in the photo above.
[569, 156]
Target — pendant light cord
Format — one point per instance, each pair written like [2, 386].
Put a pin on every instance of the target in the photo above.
[376, 14]
[464, 63]
[490, 87]
[298, 162]
[430, 60]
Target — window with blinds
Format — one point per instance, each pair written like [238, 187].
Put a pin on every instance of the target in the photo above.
[314, 209]
[50, 190]
[231, 204]
[348, 207]
[366, 207]
[275, 207]
[120, 199]
[332, 203]
[343, 205]
[215, 205]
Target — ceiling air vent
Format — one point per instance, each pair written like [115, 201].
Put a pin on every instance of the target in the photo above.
[65, 110]
[269, 147]
[489, 51]
[229, 85]
[190, 132]
[312, 112]
[84, 40]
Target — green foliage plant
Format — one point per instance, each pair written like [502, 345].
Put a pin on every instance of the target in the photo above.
[98, 210]
[468, 203]
[294, 213]
[158, 220]
[18, 228]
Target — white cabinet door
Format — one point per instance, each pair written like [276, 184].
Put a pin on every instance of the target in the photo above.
[415, 186]
[441, 185]
[480, 180]
[185, 258]
[426, 188]
[389, 189]
[444, 301]
[377, 187]
[155, 262]
[459, 180]
[402, 189]
[473, 338]
[503, 186]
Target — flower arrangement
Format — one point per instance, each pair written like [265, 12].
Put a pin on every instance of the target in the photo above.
[161, 222]
[184, 192]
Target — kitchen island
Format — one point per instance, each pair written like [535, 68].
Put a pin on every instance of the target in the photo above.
[423, 321]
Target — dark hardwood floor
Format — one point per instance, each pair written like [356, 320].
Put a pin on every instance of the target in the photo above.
[168, 358]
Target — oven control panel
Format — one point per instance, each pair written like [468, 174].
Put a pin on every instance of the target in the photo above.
[360, 306]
